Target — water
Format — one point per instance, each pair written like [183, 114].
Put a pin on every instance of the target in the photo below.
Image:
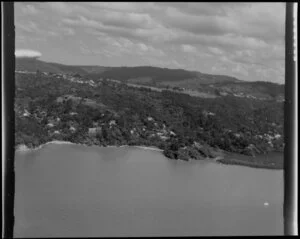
[78, 191]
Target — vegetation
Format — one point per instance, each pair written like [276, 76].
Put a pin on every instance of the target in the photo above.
[111, 113]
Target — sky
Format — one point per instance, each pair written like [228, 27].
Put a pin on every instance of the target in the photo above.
[244, 40]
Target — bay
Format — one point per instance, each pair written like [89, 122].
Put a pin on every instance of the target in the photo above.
[78, 191]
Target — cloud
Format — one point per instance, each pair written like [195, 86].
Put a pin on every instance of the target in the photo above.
[227, 38]
[188, 48]
[239, 68]
[26, 53]
[201, 24]
[61, 7]
[29, 9]
[30, 27]
[215, 50]
[264, 21]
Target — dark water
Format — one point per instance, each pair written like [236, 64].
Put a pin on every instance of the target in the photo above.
[70, 191]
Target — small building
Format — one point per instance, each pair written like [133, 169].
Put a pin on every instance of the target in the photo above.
[277, 136]
[50, 125]
[112, 122]
[149, 118]
[73, 129]
[206, 113]
[223, 93]
[26, 113]
[56, 132]
[93, 131]
[164, 137]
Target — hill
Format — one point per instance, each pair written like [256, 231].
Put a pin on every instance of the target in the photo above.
[32, 65]
[54, 107]
[164, 78]
[156, 75]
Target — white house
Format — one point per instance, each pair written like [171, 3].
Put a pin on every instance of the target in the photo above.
[112, 122]
[150, 118]
[50, 125]
[277, 136]
[73, 129]
[26, 113]
[94, 131]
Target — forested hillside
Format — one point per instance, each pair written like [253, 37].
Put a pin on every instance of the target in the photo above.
[52, 107]
[190, 82]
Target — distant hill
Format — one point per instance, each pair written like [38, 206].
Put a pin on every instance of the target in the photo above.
[26, 64]
[163, 77]
[155, 75]
[247, 87]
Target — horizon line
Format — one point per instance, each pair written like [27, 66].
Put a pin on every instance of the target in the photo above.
[51, 62]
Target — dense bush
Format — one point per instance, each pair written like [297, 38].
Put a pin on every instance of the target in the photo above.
[212, 121]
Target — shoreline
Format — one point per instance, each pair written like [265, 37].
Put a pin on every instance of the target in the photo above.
[25, 148]
[229, 160]
[246, 164]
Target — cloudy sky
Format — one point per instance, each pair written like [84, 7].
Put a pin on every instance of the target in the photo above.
[245, 40]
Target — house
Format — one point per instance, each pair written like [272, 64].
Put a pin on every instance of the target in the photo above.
[164, 137]
[94, 131]
[56, 132]
[112, 122]
[206, 113]
[26, 113]
[149, 118]
[73, 129]
[223, 93]
[50, 125]
[277, 136]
